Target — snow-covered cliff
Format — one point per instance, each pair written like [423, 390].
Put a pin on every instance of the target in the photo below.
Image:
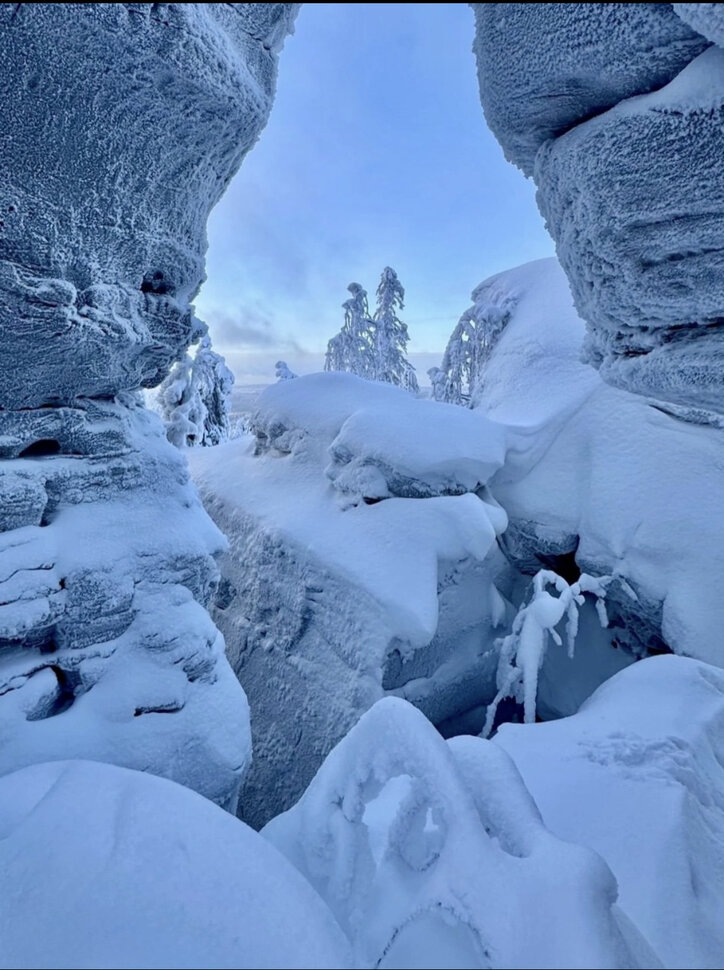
[121, 126]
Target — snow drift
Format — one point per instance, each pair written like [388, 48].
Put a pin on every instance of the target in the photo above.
[105, 867]
[637, 775]
[433, 854]
[603, 480]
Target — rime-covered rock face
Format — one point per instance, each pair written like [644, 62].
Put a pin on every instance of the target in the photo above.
[618, 111]
[545, 67]
[121, 126]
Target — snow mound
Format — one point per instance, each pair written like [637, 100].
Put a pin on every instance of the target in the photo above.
[637, 775]
[122, 869]
[430, 854]
[458, 453]
[378, 450]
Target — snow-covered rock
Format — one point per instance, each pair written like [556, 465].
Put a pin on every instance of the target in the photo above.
[705, 18]
[618, 112]
[433, 854]
[637, 775]
[105, 867]
[602, 480]
[105, 649]
[332, 592]
[642, 242]
[545, 67]
[122, 124]
[104, 199]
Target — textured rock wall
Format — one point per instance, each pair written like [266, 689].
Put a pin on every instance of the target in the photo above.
[121, 126]
[617, 110]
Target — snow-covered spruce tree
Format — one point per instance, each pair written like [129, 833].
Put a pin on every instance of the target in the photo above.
[194, 398]
[283, 371]
[390, 334]
[471, 344]
[353, 348]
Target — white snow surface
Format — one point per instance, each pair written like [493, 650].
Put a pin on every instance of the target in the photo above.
[391, 549]
[637, 774]
[433, 854]
[332, 601]
[101, 866]
[640, 488]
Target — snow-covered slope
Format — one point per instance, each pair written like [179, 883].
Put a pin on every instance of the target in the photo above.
[638, 776]
[105, 867]
[328, 600]
[606, 476]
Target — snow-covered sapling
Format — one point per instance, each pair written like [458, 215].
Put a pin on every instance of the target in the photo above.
[471, 344]
[283, 371]
[522, 652]
[194, 398]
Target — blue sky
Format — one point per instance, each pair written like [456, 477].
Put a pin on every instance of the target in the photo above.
[376, 153]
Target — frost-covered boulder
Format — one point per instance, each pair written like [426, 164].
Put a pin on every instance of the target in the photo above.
[122, 124]
[106, 651]
[599, 480]
[433, 854]
[362, 560]
[545, 67]
[105, 867]
[642, 242]
[637, 775]
[618, 112]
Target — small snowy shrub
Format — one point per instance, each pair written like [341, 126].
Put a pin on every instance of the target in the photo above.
[522, 652]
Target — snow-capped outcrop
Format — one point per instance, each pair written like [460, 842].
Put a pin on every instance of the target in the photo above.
[637, 775]
[105, 867]
[342, 582]
[643, 243]
[545, 67]
[618, 112]
[597, 479]
[122, 124]
[433, 854]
